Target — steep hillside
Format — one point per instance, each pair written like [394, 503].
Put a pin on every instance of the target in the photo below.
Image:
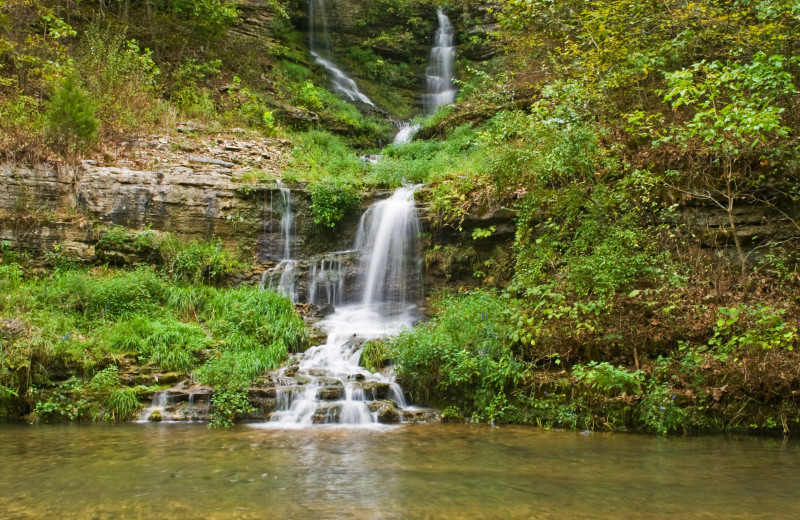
[610, 205]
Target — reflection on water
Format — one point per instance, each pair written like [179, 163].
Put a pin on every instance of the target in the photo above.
[423, 471]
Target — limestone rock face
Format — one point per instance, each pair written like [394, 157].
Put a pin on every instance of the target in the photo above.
[189, 203]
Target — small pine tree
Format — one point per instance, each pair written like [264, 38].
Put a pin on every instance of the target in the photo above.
[71, 116]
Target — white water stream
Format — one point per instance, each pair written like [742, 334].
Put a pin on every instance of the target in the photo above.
[405, 133]
[331, 387]
[439, 75]
[282, 278]
[319, 47]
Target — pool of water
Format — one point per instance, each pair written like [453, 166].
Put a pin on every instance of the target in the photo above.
[408, 471]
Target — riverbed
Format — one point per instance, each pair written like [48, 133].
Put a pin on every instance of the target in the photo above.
[408, 471]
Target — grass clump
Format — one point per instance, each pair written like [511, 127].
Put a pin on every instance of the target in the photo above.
[93, 322]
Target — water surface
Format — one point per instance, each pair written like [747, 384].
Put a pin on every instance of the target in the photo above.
[409, 471]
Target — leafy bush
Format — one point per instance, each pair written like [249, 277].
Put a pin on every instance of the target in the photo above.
[330, 202]
[97, 296]
[463, 357]
[121, 76]
[374, 355]
[658, 410]
[196, 262]
[607, 378]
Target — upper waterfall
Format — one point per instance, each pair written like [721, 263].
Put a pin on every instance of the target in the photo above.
[319, 47]
[439, 75]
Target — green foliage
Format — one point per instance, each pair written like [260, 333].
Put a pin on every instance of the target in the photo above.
[324, 157]
[88, 319]
[374, 355]
[464, 356]
[608, 378]
[330, 202]
[118, 237]
[121, 76]
[64, 402]
[748, 328]
[71, 116]
[164, 341]
[658, 410]
[112, 296]
[734, 104]
[227, 404]
[197, 262]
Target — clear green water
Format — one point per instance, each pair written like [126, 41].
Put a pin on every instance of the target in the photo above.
[428, 471]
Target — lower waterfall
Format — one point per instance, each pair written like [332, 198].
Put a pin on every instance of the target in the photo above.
[327, 385]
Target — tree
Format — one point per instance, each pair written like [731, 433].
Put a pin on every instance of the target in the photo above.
[736, 118]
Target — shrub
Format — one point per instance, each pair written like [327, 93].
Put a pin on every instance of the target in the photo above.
[331, 201]
[464, 357]
[607, 378]
[121, 77]
[196, 262]
[71, 116]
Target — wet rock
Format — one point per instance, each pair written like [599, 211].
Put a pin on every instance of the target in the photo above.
[155, 416]
[323, 311]
[387, 413]
[330, 393]
[317, 336]
[374, 389]
[327, 413]
[262, 393]
[330, 381]
[420, 415]
[263, 403]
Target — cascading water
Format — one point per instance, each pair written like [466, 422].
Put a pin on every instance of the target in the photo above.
[327, 280]
[327, 385]
[405, 133]
[287, 222]
[387, 237]
[439, 75]
[282, 277]
[319, 47]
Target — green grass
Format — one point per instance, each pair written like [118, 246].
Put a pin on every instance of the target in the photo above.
[88, 320]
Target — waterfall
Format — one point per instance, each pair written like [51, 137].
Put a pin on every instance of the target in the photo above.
[439, 75]
[319, 47]
[287, 222]
[388, 236]
[282, 278]
[327, 386]
[405, 133]
[327, 280]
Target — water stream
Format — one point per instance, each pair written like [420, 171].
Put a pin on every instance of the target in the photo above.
[439, 75]
[319, 47]
[405, 133]
[283, 277]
